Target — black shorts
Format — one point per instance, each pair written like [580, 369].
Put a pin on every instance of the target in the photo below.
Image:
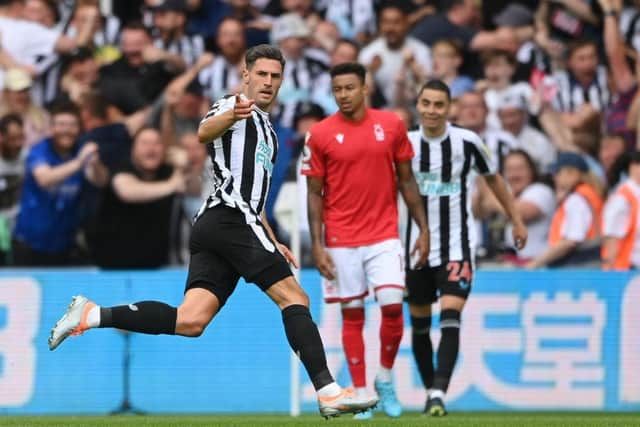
[424, 286]
[224, 248]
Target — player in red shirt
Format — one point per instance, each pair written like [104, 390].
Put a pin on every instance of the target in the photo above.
[356, 161]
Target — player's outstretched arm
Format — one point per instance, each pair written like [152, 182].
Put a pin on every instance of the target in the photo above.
[315, 205]
[499, 188]
[409, 190]
[213, 126]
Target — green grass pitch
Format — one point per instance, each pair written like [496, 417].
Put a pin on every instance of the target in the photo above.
[462, 419]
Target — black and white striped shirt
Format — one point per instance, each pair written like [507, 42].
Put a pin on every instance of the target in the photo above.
[189, 47]
[571, 95]
[445, 168]
[243, 159]
[219, 78]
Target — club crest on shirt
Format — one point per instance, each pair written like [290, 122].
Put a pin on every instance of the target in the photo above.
[340, 138]
[378, 131]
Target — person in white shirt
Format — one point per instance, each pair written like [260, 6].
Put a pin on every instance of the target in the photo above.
[513, 115]
[535, 202]
[399, 63]
[22, 43]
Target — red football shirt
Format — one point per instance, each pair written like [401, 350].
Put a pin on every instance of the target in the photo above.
[357, 161]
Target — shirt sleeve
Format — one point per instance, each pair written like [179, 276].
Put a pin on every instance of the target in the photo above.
[35, 158]
[577, 220]
[313, 160]
[221, 106]
[483, 162]
[615, 217]
[403, 149]
[41, 40]
[541, 196]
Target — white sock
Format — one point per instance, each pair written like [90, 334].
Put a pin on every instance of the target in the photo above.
[361, 391]
[436, 394]
[384, 375]
[93, 317]
[330, 390]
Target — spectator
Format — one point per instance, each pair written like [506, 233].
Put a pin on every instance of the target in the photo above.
[456, 22]
[398, 63]
[17, 99]
[446, 56]
[472, 114]
[224, 75]
[256, 25]
[583, 89]
[79, 75]
[13, 154]
[44, 12]
[180, 109]
[197, 189]
[56, 170]
[46, 72]
[170, 21]
[141, 74]
[574, 235]
[612, 157]
[106, 29]
[564, 21]
[513, 116]
[535, 202]
[499, 68]
[306, 76]
[135, 216]
[355, 19]
[620, 222]
[344, 51]
[24, 43]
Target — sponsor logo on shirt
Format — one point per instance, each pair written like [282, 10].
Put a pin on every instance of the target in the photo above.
[264, 153]
[429, 184]
[378, 132]
[340, 138]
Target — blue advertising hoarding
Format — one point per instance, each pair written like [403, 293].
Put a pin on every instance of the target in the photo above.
[530, 340]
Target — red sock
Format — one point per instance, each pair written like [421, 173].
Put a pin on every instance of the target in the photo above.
[391, 329]
[353, 344]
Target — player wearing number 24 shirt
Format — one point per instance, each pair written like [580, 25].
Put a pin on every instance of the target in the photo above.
[448, 158]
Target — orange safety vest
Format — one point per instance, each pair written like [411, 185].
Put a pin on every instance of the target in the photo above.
[595, 203]
[626, 243]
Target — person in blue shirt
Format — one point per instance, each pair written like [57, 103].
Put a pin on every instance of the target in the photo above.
[56, 170]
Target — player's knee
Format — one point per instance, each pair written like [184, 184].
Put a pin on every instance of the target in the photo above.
[191, 326]
[391, 311]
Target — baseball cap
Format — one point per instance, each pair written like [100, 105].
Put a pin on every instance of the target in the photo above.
[569, 159]
[512, 100]
[514, 15]
[171, 5]
[289, 25]
[16, 80]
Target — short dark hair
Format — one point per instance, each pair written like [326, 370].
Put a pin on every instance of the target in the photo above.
[7, 120]
[574, 45]
[438, 85]
[96, 104]
[65, 107]
[491, 54]
[634, 157]
[531, 164]
[137, 26]
[263, 51]
[349, 68]
[344, 40]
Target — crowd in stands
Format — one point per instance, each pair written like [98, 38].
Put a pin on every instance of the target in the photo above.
[100, 162]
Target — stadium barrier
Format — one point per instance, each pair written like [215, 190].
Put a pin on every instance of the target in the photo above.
[530, 340]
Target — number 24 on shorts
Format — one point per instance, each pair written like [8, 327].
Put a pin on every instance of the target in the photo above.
[459, 271]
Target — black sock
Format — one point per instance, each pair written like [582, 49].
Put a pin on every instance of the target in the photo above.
[148, 317]
[448, 349]
[422, 348]
[305, 340]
